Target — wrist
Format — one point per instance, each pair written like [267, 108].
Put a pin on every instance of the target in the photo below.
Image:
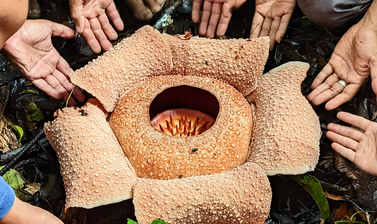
[370, 18]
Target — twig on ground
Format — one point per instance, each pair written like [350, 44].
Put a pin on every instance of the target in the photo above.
[21, 153]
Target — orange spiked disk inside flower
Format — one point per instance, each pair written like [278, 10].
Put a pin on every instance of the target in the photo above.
[182, 122]
[184, 111]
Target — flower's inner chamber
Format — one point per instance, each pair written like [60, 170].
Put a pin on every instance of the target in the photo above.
[184, 111]
[182, 122]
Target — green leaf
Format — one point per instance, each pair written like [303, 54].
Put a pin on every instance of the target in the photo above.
[13, 178]
[305, 22]
[17, 183]
[130, 221]
[31, 91]
[314, 188]
[19, 131]
[159, 221]
[34, 114]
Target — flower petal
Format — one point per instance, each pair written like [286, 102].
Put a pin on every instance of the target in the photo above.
[286, 136]
[93, 166]
[241, 195]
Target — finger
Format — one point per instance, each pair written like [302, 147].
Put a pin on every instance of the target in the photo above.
[42, 85]
[282, 27]
[373, 75]
[195, 14]
[91, 39]
[374, 84]
[274, 28]
[345, 152]
[354, 120]
[345, 131]
[266, 27]
[76, 14]
[60, 30]
[63, 81]
[141, 12]
[114, 16]
[71, 102]
[55, 81]
[207, 7]
[226, 15]
[106, 27]
[63, 66]
[51, 86]
[77, 94]
[344, 141]
[256, 25]
[99, 34]
[334, 93]
[62, 76]
[153, 6]
[214, 20]
[237, 4]
[348, 93]
[322, 75]
[326, 90]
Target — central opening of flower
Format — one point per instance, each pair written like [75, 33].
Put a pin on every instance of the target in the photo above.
[184, 111]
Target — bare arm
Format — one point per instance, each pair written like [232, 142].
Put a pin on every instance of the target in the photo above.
[22, 212]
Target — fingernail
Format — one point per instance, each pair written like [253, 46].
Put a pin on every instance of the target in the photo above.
[114, 36]
[156, 9]
[78, 29]
[147, 15]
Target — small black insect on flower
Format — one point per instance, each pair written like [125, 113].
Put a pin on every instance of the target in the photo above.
[83, 113]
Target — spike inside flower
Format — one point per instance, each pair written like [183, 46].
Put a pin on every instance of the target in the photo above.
[184, 111]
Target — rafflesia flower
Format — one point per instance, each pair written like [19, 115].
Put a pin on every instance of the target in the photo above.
[187, 127]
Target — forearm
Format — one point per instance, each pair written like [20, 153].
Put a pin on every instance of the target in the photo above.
[22, 212]
[370, 17]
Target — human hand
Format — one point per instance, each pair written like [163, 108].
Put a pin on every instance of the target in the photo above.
[31, 52]
[271, 19]
[352, 61]
[358, 144]
[91, 18]
[215, 16]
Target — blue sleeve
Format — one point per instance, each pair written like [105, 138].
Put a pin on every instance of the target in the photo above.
[6, 198]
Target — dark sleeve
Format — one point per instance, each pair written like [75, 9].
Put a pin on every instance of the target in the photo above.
[334, 13]
[6, 198]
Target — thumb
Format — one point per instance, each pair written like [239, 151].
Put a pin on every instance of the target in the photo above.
[80, 24]
[76, 7]
[60, 30]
